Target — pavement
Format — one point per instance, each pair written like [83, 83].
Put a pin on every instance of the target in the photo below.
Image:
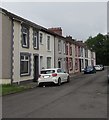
[32, 84]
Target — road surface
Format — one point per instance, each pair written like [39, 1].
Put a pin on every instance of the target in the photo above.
[85, 96]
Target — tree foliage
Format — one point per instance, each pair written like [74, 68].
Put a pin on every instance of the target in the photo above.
[99, 44]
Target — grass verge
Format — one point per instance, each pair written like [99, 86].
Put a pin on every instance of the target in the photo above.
[9, 89]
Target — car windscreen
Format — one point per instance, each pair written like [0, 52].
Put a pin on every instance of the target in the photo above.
[89, 67]
[96, 66]
[47, 71]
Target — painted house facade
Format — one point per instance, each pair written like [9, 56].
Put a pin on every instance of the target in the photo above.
[27, 48]
[70, 54]
[59, 49]
[46, 50]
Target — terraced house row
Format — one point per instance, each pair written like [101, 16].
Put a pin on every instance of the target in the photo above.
[26, 48]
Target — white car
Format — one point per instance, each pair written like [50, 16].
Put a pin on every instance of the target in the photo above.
[53, 75]
[98, 67]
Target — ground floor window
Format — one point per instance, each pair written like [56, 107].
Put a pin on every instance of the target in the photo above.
[24, 64]
[82, 64]
[41, 63]
[71, 64]
[76, 64]
[48, 62]
[86, 62]
[92, 62]
[67, 66]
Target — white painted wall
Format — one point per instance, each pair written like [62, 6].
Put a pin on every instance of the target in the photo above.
[44, 52]
[94, 58]
[60, 55]
[89, 57]
[18, 49]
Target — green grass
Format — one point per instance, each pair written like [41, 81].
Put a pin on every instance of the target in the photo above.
[9, 89]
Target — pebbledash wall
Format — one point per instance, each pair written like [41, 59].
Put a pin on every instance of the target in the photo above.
[28, 48]
[18, 53]
[40, 51]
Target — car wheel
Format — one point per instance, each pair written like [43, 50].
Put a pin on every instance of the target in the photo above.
[40, 85]
[59, 81]
[68, 79]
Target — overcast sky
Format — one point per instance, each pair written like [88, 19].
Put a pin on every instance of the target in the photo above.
[78, 19]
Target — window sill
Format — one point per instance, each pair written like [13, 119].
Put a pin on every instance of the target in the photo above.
[35, 48]
[24, 46]
[59, 52]
[23, 75]
[48, 50]
[41, 44]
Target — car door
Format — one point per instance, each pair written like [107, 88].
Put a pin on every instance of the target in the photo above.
[60, 74]
[65, 75]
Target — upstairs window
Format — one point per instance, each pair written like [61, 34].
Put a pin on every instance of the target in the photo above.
[86, 53]
[76, 51]
[59, 46]
[71, 64]
[48, 43]
[48, 62]
[41, 38]
[70, 50]
[25, 37]
[64, 48]
[81, 52]
[35, 40]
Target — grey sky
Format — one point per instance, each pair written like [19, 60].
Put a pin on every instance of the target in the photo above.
[78, 19]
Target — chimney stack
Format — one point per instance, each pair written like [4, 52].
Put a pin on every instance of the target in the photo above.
[69, 37]
[56, 30]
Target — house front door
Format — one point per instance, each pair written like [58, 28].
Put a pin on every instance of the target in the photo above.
[36, 67]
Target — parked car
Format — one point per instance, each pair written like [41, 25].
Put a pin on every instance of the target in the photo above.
[102, 66]
[98, 67]
[53, 75]
[89, 69]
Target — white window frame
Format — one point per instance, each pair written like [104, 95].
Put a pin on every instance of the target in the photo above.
[70, 49]
[81, 51]
[48, 43]
[36, 41]
[27, 60]
[26, 40]
[59, 46]
[41, 38]
[71, 63]
[64, 48]
[50, 62]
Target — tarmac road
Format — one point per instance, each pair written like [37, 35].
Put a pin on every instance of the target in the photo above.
[85, 96]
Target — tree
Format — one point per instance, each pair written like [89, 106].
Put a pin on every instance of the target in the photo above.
[99, 44]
